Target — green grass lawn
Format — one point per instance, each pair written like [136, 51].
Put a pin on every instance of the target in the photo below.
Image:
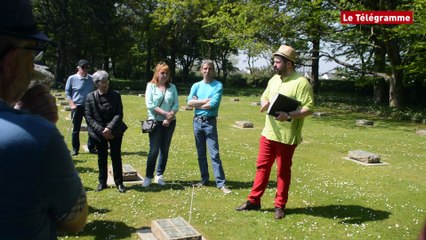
[330, 198]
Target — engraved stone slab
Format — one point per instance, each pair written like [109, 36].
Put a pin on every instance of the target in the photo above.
[421, 132]
[60, 98]
[244, 124]
[129, 173]
[235, 99]
[174, 229]
[67, 108]
[186, 108]
[83, 127]
[255, 103]
[141, 95]
[364, 156]
[58, 94]
[363, 122]
[63, 103]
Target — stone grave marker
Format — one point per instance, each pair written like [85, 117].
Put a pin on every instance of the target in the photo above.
[129, 173]
[244, 124]
[186, 108]
[364, 156]
[235, 99]
[421, 132]
[58, 94]
[255, 104]
[141, 95]
[364, 122]
[67, 108]
[63, 103]
[174, 229]
[83, 127]
[60, 98]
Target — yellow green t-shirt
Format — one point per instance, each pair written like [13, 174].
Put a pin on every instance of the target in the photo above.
[294, 86]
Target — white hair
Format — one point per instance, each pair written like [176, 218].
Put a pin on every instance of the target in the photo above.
[99, 76]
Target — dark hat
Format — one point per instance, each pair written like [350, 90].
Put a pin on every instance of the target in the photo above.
[82, 62]
[17, 20]
[287, 52]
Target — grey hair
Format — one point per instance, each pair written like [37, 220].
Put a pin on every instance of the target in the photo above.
[99, 76]
[208, 62]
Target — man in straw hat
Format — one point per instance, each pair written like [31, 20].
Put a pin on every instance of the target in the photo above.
[281, 134]
[41, 191]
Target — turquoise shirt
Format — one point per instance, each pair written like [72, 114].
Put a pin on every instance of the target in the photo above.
[154, 96]
[212, 90]
[294, 86]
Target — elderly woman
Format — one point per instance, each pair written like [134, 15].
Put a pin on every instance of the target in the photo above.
[104, 114]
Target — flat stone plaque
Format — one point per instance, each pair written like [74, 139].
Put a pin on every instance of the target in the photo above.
[363, 122]
[364, 156]
[186, 108]
[83, 127]
[174, 229]
[421, 132]
[129, 173]
[244, 124]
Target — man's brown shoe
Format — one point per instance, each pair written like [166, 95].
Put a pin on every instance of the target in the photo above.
[279, 213]
[248, 206]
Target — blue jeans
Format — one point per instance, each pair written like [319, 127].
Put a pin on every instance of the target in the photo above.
[205, 132]
[159, 144]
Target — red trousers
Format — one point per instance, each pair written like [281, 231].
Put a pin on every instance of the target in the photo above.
[269, 151]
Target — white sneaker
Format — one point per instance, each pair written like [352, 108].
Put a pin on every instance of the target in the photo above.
[159, 180]
[146, 182]
[225, 190]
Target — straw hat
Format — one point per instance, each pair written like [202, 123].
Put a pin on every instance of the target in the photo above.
[287, 52]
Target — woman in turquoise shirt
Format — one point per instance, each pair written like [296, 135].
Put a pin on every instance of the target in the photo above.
[161, 100]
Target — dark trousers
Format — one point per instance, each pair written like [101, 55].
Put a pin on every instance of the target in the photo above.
[77, 115]
[115, 152]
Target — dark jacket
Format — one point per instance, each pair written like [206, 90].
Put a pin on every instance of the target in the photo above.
[107, 113]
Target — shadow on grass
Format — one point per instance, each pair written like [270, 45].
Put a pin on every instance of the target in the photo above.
[247, 185]
[347, 214]
[103, 229]
[140, 153]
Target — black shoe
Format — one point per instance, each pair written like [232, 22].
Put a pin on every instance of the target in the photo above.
[279, 213]
[101, 187]
[199, 184]
[248, 206]
[121, 188]
[74, 153]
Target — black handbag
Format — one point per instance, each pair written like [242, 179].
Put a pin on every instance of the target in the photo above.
[148, 125]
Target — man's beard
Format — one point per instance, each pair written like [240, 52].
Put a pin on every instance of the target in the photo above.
[281, 71]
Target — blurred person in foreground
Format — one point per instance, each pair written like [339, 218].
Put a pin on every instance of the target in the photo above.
[76, 89]
[104, 114]
[281, 134]
[161, 99]
[42, 192]
[205, 96]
